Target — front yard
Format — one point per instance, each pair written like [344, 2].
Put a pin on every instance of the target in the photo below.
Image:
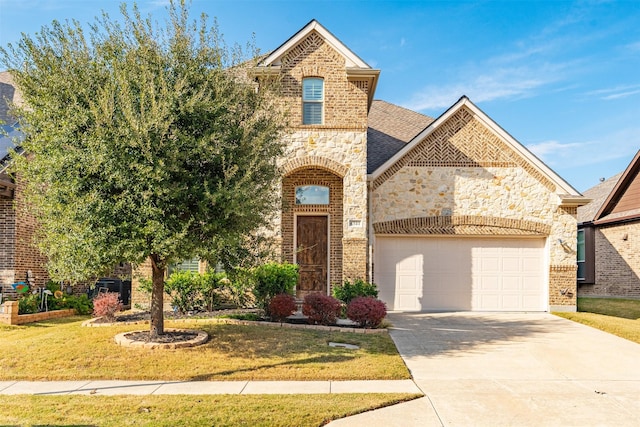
[63, 350]
[620, 317]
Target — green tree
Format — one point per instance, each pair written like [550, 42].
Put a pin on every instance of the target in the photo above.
[143, 143]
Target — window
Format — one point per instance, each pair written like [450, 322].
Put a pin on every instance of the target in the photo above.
[312, 101]
[312, 195]
[186, 265]
[581, 251]
[586, 256]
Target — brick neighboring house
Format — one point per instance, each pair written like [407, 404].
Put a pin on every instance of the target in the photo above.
[20, 260]
[609, 237]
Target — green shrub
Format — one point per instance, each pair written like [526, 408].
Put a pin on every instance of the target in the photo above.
[81, 303]
[359, 288]
[184, 289]
[29, 304]
[242, 283]
[212, 288]
[272, 279]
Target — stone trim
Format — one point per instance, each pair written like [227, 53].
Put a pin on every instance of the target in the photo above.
[463, 225]
[463, 141]
[316, 161]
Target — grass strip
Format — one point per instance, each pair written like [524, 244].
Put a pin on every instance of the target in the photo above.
[624, 328]
[183, 410]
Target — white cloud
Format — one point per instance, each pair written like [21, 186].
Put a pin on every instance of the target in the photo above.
[622, 143]
[616, 92]
[547, 150]
[502, 83]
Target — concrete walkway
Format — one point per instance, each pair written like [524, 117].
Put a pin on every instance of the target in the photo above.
[479, 369]
[109, 388]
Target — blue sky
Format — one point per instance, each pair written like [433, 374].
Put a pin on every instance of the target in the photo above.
[561, 77]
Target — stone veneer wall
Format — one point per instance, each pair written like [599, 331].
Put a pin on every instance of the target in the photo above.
[617, 262]
[338, 146]
[463, 179]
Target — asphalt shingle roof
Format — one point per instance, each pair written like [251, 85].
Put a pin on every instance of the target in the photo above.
[598, 195]
[391, 127]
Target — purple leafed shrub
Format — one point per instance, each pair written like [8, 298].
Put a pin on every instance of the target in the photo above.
[368, 312]
[282, 306]
[107, 305]
[321, 309]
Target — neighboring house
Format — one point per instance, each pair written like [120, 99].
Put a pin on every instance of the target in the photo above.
[609, 237]
[20, 260]
[444, 214]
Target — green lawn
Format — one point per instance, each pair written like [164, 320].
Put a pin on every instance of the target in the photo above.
[63, 350]
[222, 410]
[620, 317]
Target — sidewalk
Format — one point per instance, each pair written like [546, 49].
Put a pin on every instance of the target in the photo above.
[110, 388]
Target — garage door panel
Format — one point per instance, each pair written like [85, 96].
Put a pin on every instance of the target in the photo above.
[436, 273]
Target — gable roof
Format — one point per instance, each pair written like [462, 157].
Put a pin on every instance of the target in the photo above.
[598, 195]
[356, 68]
[351, 59]
[623, 202]
[569, 196]
[390, 128]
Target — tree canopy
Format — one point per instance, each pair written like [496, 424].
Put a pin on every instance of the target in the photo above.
[142, 142]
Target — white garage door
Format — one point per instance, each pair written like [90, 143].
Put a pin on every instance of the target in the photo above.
[442, 273]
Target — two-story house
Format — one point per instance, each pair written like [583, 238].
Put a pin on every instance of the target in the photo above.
[449, 213]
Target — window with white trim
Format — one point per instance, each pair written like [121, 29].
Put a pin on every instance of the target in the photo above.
[312, 101]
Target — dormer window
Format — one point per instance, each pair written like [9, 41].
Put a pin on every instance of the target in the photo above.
[312, 101]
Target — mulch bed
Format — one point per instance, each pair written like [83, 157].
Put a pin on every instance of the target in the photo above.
[170, 315]
[167, 337]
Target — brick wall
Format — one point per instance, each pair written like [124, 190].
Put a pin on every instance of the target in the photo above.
[7, 243]
[562, 287]
[18, 252]
[314, 176]
[617, 262]
[345, 101]
[28, 257]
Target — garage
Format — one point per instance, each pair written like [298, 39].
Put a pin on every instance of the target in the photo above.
[461, 273]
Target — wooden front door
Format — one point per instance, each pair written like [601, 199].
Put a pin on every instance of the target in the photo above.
[311, 254]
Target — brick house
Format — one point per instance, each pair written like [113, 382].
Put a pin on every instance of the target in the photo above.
[449, 213]
[20, 260]
[609, 237]
[442, 214]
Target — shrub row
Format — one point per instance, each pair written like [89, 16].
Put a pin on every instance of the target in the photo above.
[367, 312]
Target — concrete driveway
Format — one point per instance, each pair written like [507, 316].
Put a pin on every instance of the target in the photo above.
[499, 369]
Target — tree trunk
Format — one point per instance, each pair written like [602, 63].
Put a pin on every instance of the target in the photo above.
[157, 297]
